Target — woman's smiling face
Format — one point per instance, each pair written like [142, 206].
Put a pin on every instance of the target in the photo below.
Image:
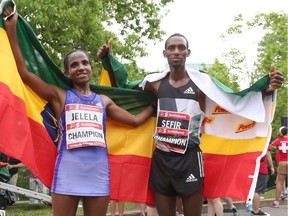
[79, 69]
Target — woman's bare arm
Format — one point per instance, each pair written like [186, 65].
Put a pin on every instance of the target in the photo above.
[118, 114]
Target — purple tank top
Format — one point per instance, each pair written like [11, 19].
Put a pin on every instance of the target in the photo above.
[82, 166]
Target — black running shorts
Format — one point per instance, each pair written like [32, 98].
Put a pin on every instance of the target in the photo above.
[177, 174]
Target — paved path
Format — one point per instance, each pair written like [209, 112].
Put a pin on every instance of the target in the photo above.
[282, 211]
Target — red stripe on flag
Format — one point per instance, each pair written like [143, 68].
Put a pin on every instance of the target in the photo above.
[129, 178]
[44, 153]
[24, 138]
[229, 175]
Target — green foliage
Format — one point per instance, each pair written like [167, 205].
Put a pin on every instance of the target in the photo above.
[23, 181]
[222, 73]
[135, 72]
[236, 61]
[272, 178]
[23, 177]
[31, 210]
[272, 48]
[63, 25]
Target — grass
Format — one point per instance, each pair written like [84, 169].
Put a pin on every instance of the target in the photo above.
[270, 194]
[24, 209]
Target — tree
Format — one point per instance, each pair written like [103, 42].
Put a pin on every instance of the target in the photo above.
[222, 73]
[63, 25]
[272, 48]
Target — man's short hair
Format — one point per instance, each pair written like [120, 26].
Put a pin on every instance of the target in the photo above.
[177, 35]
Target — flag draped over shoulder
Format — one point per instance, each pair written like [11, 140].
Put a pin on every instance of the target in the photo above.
[236, 135]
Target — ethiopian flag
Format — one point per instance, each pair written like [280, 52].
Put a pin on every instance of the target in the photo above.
[28, 127]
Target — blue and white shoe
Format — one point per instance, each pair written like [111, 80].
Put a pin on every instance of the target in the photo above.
[248, 207]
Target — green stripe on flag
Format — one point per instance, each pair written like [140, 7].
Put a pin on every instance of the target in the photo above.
[39, 63]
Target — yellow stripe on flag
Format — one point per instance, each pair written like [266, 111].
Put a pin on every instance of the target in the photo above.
[217, 145]
[34, 104]
[139, 139]
[104, 79]
[126, 140]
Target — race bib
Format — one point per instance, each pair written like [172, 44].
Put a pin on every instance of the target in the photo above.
[173, 130]
[84, 126]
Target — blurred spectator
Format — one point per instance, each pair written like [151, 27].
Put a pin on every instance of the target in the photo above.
[36, 185]
[281, 143]
[121, 206]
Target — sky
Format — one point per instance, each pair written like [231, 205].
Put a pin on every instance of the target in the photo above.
[202, 22]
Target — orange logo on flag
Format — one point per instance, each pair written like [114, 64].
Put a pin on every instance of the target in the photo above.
[219, 110]
[208, 120]
[245, 126]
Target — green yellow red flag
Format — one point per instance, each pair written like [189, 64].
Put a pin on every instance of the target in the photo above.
[232, 151]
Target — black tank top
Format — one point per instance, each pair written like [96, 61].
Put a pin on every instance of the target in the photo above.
[179, 117]
[166, 90]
